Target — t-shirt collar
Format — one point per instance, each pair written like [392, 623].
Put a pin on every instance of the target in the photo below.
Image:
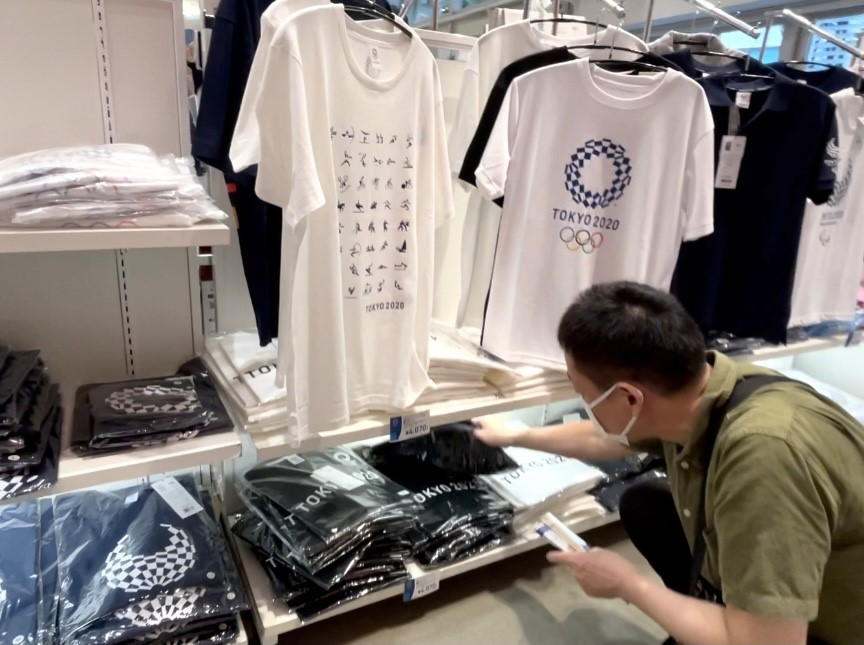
[779, 94]
[719, 388]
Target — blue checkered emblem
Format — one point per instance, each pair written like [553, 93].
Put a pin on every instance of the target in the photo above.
[622, 168]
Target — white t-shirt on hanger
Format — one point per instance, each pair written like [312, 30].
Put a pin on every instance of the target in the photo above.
[490, 55]
[831, 250]
[605, 175]
[353, 149]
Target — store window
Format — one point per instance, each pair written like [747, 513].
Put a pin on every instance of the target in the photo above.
[847, 28]
[752, 46]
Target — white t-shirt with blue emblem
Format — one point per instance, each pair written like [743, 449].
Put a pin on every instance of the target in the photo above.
[605, 175]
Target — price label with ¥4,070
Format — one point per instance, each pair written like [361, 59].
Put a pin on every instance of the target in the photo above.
[421, 586]
[410, 426]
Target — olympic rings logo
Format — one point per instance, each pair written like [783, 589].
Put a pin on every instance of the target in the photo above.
[585, 240]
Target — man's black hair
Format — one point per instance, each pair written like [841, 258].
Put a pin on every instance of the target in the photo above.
[624, 331]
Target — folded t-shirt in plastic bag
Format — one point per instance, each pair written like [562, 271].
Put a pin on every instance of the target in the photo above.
[333, 492]
[15, 370]
[44, 474]
[35, 437]
[130, 566]
[19, 574]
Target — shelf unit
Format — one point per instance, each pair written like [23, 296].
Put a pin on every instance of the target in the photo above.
[274, 445]
[71, 239]
[273, 618]
[77, 472]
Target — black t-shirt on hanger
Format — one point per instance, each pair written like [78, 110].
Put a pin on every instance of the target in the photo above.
[475, 151]
[830, 80]
[740, 278]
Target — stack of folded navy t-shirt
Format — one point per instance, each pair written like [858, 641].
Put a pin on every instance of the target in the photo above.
[99, 568]
[30, 424]
[134, 414]
[327, 527]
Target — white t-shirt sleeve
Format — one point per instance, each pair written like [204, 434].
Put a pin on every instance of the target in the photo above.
[467, 113]
[443, 185]
[287, 170]
[492, 172]
[245, 144]
[698, 194]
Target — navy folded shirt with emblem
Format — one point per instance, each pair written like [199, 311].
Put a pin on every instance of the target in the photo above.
[130, 567]
[19, 574]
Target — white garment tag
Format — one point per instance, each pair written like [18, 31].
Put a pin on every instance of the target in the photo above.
[742, 99]
[131, 499]
[177, 497]
[422, 586]
[294, 460]
[729, 165]
[410, 426]
[330, 475]
[373, 63]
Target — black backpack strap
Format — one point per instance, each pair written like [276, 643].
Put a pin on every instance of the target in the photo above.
[742, 391]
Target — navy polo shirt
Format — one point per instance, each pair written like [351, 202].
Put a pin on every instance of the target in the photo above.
[739, 279]
[829, 80]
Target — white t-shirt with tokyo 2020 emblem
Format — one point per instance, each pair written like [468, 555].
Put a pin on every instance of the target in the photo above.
[605, 175]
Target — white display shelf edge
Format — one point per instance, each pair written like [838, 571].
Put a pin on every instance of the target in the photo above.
[38, 240]
[273, 445]
[77, 472]
[273, 618]
[242, 639]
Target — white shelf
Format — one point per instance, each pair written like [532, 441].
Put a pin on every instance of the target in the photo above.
[78, 472]
[273, 618]
[242, 639]
[36, 240]
[273, 445]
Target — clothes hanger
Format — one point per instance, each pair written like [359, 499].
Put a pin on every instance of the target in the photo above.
[808, 62]
[621, 66]
[369, 8]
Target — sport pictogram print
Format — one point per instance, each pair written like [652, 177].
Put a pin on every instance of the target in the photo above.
[596, 150]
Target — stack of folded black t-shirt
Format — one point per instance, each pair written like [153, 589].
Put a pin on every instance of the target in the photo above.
[327, 527]
[135, 568]
[460, 517]
[30, 424]
[135, 414]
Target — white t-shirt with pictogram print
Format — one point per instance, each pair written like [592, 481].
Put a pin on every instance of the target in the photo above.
[605, 175]
[353, 148]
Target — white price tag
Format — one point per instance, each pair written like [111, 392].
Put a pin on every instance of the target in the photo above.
[177, 497]
[131, 499]
[742, 99]
[729, 164]
[294, 460]
[330, 475]
[410, 426]
[422, 586]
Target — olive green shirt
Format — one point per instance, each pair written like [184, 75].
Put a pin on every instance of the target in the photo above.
[784, 503]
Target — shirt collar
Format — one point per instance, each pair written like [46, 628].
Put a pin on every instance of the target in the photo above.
[779, 94]
[719, 388]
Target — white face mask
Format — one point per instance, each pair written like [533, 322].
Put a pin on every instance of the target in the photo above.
[620, 438]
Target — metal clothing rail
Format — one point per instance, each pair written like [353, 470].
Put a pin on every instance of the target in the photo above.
[722, 16]
[804, 23]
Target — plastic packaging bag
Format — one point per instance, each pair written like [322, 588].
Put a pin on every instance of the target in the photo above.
[14, 372]
[135, 414]
[19, 575]
[333, 492]
[130, 567]
[44, 474]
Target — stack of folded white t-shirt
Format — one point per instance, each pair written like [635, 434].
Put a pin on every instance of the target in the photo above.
[526, 380]
[111, 185]
[547, 483]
